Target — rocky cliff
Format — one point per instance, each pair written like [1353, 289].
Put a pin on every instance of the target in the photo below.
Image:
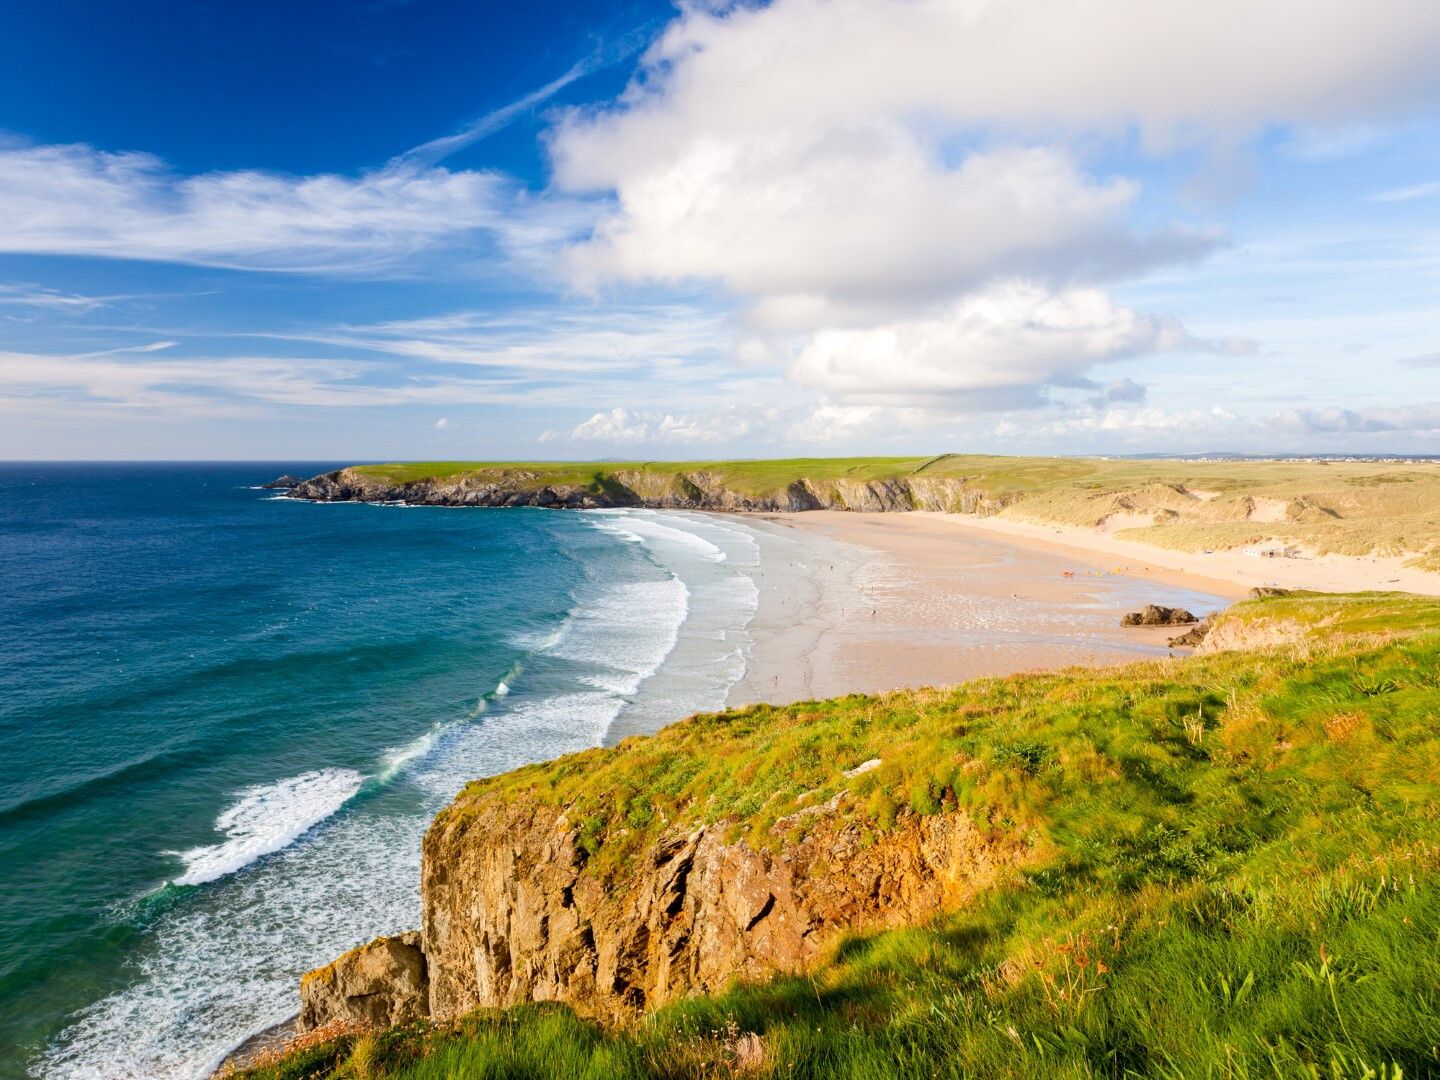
[376, 985]
[684, 490]
[514, 911]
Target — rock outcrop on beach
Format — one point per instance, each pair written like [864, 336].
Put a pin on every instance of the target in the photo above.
[1191, 638]
[1158, 615]
[513, 911]
[683, 490]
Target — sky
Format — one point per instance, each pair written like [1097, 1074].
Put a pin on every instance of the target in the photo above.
[424, 229]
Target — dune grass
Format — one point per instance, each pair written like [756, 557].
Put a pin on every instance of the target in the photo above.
[1349, 508]
[1235, 873]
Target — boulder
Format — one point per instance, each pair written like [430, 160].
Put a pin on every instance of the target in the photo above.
[1192, 637]
[1155, 615]
[376, 985]
[283, 483]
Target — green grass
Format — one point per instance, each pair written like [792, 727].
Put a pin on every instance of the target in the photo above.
[1351, 508]
[1235, 873]
[1326, 615]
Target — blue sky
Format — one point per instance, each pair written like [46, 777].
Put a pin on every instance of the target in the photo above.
[411, 229]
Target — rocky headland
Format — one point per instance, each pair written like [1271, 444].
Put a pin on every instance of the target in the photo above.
[514, 911]
[680, 490]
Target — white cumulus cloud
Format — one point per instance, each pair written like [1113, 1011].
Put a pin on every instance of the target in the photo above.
[1012, 337]
[627, 426]
[863, 214]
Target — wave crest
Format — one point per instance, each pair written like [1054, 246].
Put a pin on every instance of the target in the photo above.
[269, 817]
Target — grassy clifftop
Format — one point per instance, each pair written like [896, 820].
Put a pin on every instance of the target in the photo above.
[1349, 508]
[1234, 872]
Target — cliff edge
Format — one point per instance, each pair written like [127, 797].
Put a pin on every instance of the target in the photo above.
[515, 912]
[1181, 860]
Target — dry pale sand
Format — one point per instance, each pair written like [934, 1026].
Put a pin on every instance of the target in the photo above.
[882, 601]
[1226, 571]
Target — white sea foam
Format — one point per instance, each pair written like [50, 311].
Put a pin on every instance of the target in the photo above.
[641, 525]
[267, 818]
[625, 633]
[715, 558]
[397, 757]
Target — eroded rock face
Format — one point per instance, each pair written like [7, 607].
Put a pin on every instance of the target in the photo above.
[515, 489]
[377, 985]
[512, 912]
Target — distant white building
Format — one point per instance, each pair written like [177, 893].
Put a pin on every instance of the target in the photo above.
[1273, 550]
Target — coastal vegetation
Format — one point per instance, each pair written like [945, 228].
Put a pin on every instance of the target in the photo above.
[1341, 507]
[1231, 869]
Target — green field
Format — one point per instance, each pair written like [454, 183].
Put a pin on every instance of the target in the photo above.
[1351, 508]
[1235, 873]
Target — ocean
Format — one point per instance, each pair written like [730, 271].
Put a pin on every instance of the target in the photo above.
[227, 718]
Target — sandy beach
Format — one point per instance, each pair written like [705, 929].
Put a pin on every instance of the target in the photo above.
[882, 601]
[1230, 572]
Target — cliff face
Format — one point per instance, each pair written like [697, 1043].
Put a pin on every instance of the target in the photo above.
[697, 490]
[514, 912]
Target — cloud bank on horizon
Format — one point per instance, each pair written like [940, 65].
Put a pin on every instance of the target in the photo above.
[824, 225]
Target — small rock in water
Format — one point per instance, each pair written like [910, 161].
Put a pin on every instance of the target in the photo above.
[1155, 615]
[283, 483]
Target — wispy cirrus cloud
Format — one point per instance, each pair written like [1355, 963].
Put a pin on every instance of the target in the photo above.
[669, 339]
[77, 200]
[565, 359]
[36, 296]
[436, 150]
[1406, 194]
[83, 201]
[202, 383]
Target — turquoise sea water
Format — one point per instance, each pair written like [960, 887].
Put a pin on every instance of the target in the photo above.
[226, 718]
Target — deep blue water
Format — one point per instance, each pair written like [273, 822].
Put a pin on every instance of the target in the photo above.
[225, 719]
